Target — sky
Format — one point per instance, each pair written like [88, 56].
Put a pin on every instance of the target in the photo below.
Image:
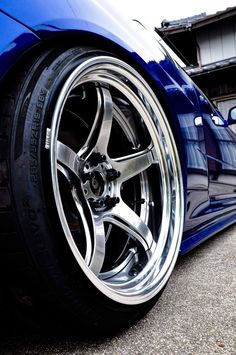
[152, 12]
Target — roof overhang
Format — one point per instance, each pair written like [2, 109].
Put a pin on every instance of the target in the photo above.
[205, 21]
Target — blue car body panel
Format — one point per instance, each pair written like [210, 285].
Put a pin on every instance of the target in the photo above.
[15, 39]
[207, 147]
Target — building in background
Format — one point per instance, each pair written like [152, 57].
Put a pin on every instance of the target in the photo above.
[208, 45]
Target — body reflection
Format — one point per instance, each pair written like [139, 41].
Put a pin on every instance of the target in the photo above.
[221, 152]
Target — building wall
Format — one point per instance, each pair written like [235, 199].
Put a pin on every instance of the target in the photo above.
[213, 45]
[217, 42]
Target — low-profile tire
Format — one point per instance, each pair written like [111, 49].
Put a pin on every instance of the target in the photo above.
[91, 191]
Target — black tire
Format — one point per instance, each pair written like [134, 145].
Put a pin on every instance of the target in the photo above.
[43, 274]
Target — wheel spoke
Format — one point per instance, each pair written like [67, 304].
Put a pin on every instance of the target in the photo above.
[132, 165]
[125, 218]
[94, 233]
[100, 133]
[122, 271]
[67, 157]
[93, 227]
[98, 255]
[87, 221]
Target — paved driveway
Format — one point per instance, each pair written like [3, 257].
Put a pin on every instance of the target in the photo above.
[195, 315]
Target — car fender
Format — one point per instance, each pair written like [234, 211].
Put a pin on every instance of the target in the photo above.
[15, 40]
[50, 21]
[99, 18]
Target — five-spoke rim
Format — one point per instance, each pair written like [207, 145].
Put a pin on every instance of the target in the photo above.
[116, 179]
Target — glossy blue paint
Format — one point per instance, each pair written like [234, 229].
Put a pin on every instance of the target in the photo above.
[15, 39]
[207, 231]
[206, 150]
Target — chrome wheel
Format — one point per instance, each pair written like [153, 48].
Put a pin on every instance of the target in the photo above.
[116, 180]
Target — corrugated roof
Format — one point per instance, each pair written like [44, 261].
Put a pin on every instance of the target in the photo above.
[195, 22]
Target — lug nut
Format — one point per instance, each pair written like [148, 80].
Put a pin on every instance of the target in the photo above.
[111, 201]
[112, 174]
[97, 203]
[97, 158]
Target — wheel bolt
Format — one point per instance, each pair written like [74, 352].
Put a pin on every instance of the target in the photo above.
[112, 174]
[111, 201]
[97, 203]
[97, 158]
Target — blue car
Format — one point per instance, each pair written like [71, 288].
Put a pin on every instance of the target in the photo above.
[112, 162]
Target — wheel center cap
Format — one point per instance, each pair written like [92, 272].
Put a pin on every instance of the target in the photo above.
[97, 183]
[100, 184]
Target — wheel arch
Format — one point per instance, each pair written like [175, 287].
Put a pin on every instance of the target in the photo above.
[104, 43]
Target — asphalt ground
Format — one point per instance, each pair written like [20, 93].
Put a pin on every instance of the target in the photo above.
[195, 315]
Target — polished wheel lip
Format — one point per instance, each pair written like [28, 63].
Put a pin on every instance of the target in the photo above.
[151, 280]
